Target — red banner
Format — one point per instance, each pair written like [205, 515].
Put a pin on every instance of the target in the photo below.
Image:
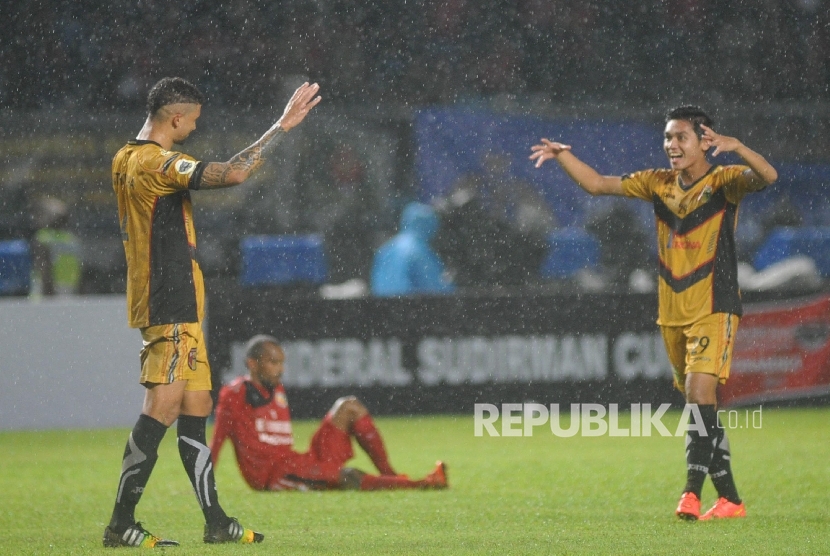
[782, 352]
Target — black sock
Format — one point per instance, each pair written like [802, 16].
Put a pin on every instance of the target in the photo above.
[721, 469]
[699, 448]
[140, 457]
[197, 462]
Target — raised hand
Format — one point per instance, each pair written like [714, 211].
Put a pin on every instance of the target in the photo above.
[547, 150]
[722, 143]
[300, 104]
[243, 164]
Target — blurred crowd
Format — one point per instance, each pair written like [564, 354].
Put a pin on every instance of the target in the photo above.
[106, 54]
[85, 55]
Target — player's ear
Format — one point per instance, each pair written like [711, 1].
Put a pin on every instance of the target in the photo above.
[250, 363]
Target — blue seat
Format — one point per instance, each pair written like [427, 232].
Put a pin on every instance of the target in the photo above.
[784, 242]
[570, 250]
[15, 267]
[282, 260]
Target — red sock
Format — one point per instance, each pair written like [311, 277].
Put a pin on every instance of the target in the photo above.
[387, 482]
[370, 440]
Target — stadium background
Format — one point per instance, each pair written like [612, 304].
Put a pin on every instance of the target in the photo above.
[416, 94]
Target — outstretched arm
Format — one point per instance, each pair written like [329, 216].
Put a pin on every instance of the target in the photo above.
[761, 172]
[586, 177]
[242, 165]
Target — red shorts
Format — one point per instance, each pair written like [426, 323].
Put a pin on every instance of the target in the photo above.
[319, 468]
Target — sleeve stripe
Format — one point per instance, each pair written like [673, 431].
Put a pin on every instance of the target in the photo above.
[168, 162]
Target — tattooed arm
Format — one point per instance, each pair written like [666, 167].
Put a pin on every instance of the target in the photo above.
[242, 165]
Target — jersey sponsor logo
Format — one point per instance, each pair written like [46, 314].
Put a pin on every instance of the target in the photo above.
[185, 167]
[274, 433]
[682, 243]
[274, 427]
[275, 439]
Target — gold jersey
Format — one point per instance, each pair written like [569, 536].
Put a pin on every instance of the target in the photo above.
[698, 272]
[164, 281]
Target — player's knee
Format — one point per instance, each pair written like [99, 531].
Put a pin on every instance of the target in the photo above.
[345, 400]
[701, 389]
[349, 406]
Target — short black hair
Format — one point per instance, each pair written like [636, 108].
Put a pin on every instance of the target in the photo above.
[692, 114]
[172, 90]
[256, 345]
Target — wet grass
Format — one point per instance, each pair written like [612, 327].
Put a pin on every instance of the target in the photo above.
[510, 495]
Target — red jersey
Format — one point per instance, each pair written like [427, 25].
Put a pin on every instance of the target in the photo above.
[258, 424]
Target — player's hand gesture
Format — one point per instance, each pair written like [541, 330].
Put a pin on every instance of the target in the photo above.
[300, 104]
[546, 151]
[722, 143]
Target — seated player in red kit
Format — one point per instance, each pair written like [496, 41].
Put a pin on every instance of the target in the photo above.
[253, 413]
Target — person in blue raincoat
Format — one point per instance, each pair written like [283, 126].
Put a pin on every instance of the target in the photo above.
[407, 264]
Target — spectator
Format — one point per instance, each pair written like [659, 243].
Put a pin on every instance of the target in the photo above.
[754, 229]
[407, 264]
[350, 227]
[56, 257]
[621, 254]
[483, 248]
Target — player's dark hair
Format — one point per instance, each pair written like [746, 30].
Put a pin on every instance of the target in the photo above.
[256, 345]
[172, 90]
[692, 114]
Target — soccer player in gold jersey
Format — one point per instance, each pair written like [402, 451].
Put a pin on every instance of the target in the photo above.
[165, 297]
[696, 207]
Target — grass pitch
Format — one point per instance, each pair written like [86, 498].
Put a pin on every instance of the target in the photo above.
[509, 495]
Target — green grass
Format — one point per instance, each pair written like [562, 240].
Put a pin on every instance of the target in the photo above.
[526, 495]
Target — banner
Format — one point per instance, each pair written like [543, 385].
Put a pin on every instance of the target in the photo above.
[454, 145]
[436, 354]
[444, 354]
[782, 352]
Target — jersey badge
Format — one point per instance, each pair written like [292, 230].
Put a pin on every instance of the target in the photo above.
[191, 359]
[280, 399]
[185, 167]
[705, 195]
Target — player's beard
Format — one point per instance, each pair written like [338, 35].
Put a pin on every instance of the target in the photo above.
[268, 384]
[184, 139]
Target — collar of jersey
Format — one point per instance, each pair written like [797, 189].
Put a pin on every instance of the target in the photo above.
[142, 142]
[254, 395]
[697, 181]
